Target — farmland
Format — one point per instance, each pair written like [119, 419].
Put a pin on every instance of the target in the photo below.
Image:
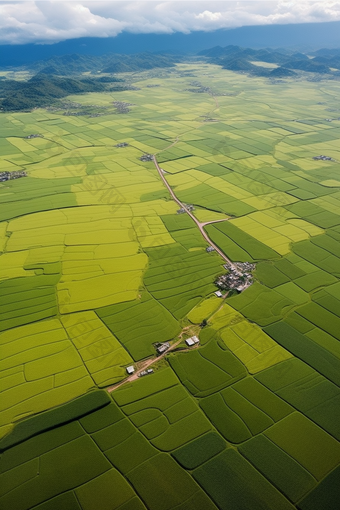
[98, 267]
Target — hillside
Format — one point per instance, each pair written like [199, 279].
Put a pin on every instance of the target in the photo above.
[60, 76]
[236, 58]
[42, 89]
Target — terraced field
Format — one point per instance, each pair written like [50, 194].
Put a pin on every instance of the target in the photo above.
[97, 267]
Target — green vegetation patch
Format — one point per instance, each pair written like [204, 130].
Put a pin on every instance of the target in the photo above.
[174, 222]
[132, 452]
[164, 413]
[142, 388]
[255, 419]
[321, 318]
[308, 444]
[170, 487]
[38, 445]
[28, 300]
[102, 418]
[107, 492]
[325, 495]
[306, 390]
[139, 324]
[254, 248]
[227, 422]
[269, 275]
[319, 278]
[66, 501]
[55, 417]
[179, 278]
[278, 467]
[31, 195]
[261, 305]
[61, 469]
[262, 398]
[316, 255]
[232, 482]
[307, 350]
[207, 370]
[200, 450]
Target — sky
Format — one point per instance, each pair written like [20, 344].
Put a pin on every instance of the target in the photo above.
[54, 21]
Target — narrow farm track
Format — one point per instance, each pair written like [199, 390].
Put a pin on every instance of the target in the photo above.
[143, 366]
[198, 223]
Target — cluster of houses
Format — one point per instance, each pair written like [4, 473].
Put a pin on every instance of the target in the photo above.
[146, 157]
[76, 114]
[188, 207]
[121, 106]
[8, 176]
[239, 277]
[323, 158]
[37, 135]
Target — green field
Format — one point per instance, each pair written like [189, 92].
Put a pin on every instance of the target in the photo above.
[98, 266]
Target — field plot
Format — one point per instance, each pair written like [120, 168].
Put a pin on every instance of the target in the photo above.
[140, 324]
[179, 278]
[162, 410]
[102, 354]
[305, 389]
[233, 483]
[220, 368]
[97, 264]
[40, 368]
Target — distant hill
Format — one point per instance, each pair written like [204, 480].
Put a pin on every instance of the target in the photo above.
[41, 90]
[236, 58]
[74, 64]
[139, 62]
[60, 76]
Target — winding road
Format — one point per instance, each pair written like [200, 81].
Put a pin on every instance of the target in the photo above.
[200, 225]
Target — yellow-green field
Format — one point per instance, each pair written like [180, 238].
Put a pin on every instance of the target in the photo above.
[97, 266]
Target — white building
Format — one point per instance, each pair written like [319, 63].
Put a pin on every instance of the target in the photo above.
[192, 341]
[218, 293]
[130, 370]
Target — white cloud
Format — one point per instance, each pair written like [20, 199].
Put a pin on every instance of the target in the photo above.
[53, 21]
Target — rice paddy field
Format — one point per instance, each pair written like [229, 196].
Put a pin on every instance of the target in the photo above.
[97, 266]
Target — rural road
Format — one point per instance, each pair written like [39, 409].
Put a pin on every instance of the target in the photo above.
[144, 366]
[198, 223]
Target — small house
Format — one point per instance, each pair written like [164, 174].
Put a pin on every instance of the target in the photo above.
[163, 347]
[194, 340]
[218, 293]
[130, 370]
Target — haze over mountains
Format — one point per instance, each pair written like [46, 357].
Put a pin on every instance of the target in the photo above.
[304, 36]
[59, 76]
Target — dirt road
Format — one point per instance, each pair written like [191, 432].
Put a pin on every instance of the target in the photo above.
[143, 366]
[198, 223]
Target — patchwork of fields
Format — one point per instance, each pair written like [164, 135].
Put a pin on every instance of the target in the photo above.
[97, 266]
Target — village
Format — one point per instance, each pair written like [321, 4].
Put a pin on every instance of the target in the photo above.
[239, 277]
[323, 158]
[8, 176]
